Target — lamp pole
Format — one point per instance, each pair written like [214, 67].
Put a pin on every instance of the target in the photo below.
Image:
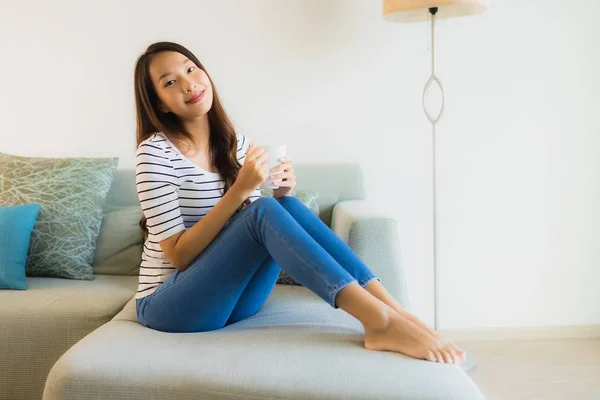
[434, 80]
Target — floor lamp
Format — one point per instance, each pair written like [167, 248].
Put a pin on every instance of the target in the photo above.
[431, 10]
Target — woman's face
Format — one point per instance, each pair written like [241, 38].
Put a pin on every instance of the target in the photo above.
[182, 87]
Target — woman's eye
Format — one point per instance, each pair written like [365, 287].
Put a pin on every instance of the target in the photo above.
[169, 83]
[190, 69]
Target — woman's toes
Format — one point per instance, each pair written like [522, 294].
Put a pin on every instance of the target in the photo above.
[458, 352]
[438, 356]
[453, 353]
[455, 357]
[431, 356]
[447, 357]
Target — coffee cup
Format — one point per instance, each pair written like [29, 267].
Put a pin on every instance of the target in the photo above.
[275, 153]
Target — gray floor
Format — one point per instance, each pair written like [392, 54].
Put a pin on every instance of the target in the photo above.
[542, 369]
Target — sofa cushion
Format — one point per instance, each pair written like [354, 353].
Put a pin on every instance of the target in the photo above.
[39, 324]
[119, 246]
[71, 192]
[16, 225]
[295, 347]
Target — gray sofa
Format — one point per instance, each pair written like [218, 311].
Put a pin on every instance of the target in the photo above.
[79, 340]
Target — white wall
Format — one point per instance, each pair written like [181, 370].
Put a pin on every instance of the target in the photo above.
[518, 189]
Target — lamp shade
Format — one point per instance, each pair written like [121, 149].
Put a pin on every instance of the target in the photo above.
[418, 10]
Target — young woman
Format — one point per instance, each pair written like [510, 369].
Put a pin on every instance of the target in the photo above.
[214, 246]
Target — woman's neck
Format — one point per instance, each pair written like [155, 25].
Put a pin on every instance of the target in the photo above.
[199, 128]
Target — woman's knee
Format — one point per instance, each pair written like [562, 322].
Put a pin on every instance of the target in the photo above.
[265, 206]
[268, 203]
[288, 200]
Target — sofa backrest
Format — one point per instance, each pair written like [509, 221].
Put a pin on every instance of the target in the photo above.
[333, 182]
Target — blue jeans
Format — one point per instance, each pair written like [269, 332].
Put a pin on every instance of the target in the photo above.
[232, 278]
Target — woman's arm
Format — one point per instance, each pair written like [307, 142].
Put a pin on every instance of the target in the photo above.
[157, 186]
[182, 248]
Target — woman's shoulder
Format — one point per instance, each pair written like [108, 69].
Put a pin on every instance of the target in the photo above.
[155, 140]
[153, 145]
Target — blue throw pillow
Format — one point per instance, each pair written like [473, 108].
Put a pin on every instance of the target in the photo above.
[16, 225]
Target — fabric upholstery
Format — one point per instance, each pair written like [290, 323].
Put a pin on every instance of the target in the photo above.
[16, 225]
[374, 237]
[295, 347]
[39, 324]
[119, 245]
[71, 192]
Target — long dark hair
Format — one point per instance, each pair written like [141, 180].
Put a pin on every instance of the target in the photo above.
[150, 120]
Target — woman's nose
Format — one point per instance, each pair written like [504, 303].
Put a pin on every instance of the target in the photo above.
[188, 86]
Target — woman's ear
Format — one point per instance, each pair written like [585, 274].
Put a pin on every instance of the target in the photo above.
[164, 108]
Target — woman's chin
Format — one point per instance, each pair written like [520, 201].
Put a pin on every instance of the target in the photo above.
[197, 113]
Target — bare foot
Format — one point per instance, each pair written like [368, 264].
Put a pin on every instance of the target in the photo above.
[458, 355]
[404, 336]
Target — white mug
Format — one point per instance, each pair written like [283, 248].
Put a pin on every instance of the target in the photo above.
[275, 153]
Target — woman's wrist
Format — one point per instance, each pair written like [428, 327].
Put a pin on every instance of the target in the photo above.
[238, 194]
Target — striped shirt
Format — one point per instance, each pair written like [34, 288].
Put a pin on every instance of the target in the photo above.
[174, 194]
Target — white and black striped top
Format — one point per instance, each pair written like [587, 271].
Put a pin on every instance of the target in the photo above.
[174, 194]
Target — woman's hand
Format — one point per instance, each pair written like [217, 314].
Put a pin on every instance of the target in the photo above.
[284, 174]
[254, 171]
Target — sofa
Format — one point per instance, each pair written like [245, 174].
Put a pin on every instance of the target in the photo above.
[77, 340]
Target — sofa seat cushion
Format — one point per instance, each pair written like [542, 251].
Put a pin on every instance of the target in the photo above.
[295, 347]
[39, 324]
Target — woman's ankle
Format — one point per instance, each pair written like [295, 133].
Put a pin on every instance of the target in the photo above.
[373, 314]
[379, 321]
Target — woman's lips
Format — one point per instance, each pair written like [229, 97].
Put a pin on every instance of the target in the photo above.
[196, 98]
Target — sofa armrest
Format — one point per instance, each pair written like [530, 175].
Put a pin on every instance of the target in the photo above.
[374, 238]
